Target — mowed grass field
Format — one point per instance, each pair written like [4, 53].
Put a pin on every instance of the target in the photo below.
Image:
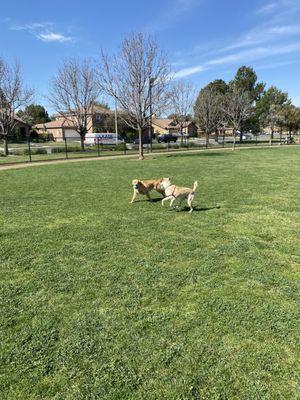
[101, 299]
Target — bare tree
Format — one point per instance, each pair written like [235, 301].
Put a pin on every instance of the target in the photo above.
[208, 111]
[182, 98]
[237, 106]
[13, 95]
[137, 79]
[74, 91]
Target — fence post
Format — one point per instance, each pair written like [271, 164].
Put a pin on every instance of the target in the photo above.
[125, 148]
[66, 146]
[98, 147]
[29, 148]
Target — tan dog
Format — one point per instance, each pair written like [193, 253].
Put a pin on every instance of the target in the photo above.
[173, 192]
[145, 187]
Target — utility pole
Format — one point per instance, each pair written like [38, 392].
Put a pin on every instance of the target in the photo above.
[151, 82]
[116, 122]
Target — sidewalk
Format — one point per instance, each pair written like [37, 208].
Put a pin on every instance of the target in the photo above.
[127, 157]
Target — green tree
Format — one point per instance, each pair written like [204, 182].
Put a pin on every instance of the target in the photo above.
[208, 110]
[289, 119]
[34, 114]
[269, 107]
[188, 117]
[246, 80]
[101, 104]
[237, 107]
[218, 86]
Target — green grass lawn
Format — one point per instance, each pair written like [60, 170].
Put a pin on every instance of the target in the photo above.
[101, 299]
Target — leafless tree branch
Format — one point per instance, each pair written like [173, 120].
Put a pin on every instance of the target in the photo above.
[74, 91]
[130, 75]
[13, 95]
[182, 97]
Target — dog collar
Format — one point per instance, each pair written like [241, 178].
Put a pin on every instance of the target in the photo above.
[166, 187]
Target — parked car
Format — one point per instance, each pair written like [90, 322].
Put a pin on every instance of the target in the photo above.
[179, 135]
[166, 138]
[145, 140]
[103, 138]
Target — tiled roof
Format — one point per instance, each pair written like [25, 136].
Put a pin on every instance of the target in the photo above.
[96, 110]
[58, 123]
[162, 122]
[167, 123]
[19, 119]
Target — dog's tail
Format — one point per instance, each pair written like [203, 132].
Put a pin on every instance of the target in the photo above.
[195, 186]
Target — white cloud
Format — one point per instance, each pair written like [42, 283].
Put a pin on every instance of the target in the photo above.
[31, 27]
[256, 53]
[181, 6]
[43, 31]
[280, 9]
[279, 64]
[188, 71]
[267, 8]
[178, 10]
[53, 37]
[264, 34]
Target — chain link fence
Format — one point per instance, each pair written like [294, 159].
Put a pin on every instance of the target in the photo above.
[33, 150]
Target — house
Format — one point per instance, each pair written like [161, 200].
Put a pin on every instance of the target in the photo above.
[188, 128]
[59, 129]
[161, 125]
[167, 125]
[21, 128]
[63, 126]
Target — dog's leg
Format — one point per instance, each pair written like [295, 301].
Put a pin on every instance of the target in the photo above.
[172, 201]
[180, 202]
[148, 195]
[190, 202]
[166, 198]
[134, 196]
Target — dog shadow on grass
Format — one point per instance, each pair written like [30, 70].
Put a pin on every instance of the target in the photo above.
[180, 209]
[195, 209]
[153, 200]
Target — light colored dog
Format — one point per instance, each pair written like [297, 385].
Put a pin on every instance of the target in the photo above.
[145, 187]
[173, 192]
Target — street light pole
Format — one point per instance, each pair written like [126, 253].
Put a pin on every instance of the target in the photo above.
[151, 81]
[116, 122]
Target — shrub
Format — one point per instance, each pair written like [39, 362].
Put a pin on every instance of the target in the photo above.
[34, 151]
[62, 149]
[120, 147]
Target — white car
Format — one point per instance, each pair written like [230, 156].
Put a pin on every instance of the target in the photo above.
[101, 138]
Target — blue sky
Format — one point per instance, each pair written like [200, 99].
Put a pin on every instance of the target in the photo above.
[205, 39]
